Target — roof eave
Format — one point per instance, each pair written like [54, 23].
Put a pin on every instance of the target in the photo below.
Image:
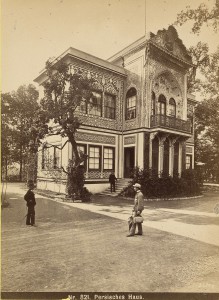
[85, 57]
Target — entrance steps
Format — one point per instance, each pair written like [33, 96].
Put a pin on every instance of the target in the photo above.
[121, 183]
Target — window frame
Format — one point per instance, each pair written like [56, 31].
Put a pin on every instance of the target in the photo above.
[45, 158]
[90, 157]
[100, 105]
[173, 105]
[132, 93]
[189, 156]
[109, 107]
[113, 158]
[162, 104]
[55, 166]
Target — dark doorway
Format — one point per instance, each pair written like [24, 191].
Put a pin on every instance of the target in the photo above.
[166, 158]
[129, 161]
[155, 153]
[176, 159]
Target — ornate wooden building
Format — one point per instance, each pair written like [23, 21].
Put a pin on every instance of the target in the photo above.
[141, 114]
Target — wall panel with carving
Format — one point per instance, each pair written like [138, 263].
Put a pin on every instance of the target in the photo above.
[107, 82]
[168, 82]
[133, 81]
[95, 138]
[129, 140]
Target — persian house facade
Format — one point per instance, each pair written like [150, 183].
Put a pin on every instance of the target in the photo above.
[141, 115]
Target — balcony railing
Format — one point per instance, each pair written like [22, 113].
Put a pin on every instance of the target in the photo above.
[171, 123]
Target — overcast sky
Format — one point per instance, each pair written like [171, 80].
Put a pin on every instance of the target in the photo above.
[35, 30]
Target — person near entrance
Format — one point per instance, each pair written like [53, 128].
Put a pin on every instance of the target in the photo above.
[137, 210]
[112, 181]
[29, 197]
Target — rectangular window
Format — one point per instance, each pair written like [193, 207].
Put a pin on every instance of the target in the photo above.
[45, 158]
[188, 161]
[110, 107]
[57, 158]
[94, 157]
[108, 158]
[95, 104]
[131, 108]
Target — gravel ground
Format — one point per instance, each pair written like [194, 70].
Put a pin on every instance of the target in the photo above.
[76, 250]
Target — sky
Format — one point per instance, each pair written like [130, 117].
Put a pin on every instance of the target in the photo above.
[32, 31]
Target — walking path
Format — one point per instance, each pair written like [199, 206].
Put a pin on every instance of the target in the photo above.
[204, 233]
[174, 221]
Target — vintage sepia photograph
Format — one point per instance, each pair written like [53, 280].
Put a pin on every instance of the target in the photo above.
[110, 149]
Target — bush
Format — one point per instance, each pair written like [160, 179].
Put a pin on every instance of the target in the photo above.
[164, 186]
[85, 195]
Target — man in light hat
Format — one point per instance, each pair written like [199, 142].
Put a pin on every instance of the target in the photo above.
[137, 209]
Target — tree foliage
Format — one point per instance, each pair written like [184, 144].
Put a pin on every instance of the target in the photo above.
[204, 81]
[207, 117]
[64, 91]
[199, 16]
[23, 126]
[200, 59]
[6, 134]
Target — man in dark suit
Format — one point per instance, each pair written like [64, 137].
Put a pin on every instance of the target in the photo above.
[112, 181]
[29, 197]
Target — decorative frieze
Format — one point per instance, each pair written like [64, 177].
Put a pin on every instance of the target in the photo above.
[94, 174]
[95, 138]
[129, 140]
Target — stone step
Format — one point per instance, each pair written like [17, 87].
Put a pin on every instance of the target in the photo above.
[120, 185]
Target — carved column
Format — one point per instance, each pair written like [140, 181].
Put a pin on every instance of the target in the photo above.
[152, 136]
[180, 159]
[171, 155]
[161, 154]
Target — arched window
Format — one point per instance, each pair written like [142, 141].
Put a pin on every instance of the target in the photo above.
[172, 107]
[162, 105]
[153, 103]
[131, 97]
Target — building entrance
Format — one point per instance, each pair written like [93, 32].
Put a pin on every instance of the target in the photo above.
[129, 161]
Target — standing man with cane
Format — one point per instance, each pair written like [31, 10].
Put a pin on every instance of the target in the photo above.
[137, 210]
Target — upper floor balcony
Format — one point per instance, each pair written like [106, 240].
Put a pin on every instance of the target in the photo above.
[169, 122]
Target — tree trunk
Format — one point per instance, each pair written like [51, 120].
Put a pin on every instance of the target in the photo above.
[32, 166]
[6, 168]
[75, 150]
[21, 169]
[21, 164]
